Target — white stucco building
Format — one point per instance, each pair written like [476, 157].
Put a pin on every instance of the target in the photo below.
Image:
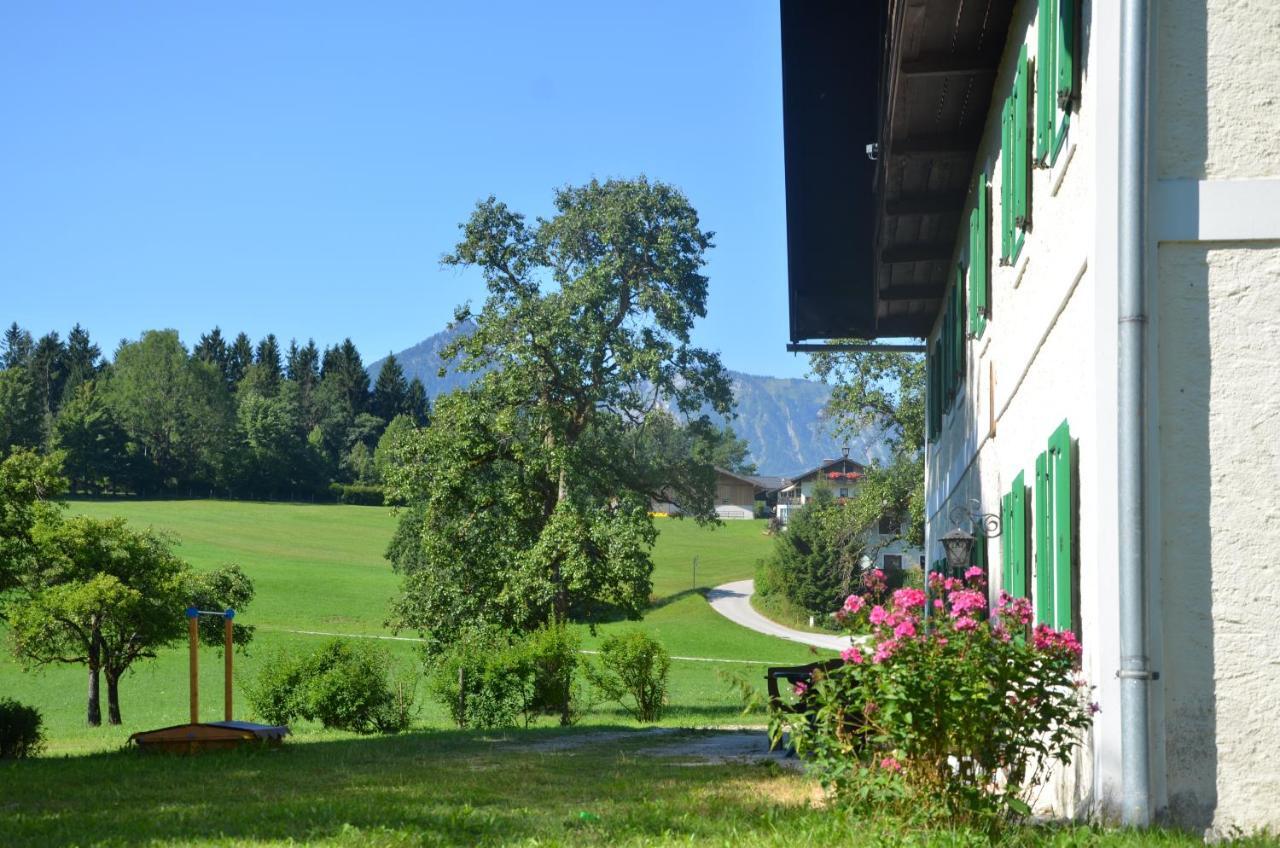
[1010, 205]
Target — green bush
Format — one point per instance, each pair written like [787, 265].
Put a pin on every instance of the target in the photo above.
[356, 493]
[345, 685]
[21, 731]
[484, 680]
[552, 652]
[806, 564]
[632, 670]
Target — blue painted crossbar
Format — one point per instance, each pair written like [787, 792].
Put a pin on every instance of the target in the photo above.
[192, 612]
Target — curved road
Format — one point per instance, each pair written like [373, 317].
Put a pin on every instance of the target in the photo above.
[733, 601]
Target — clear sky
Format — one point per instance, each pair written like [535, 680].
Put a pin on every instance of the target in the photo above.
[300, 168]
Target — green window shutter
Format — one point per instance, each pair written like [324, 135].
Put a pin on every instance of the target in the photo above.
[1062, 479]
[937, 385]
[1018, 543]
[1006, 180]
[1065, 69]
[1044, 548]
[1046, 79]
[958, 338]
[1006, 543]
[1022, 151]
[972, 298]
[980, 257]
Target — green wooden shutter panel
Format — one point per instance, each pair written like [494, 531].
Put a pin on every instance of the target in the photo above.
[958, 294]
[1019, 540]
[973, 273]
[1064, 44]
[1006, 543]
[1044, 550]
[980, 257]
[1062, 479]
[1021, 146]
[1006, 179]
[1046, 100]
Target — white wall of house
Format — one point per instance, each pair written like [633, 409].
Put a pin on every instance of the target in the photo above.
[1048, 354]
[1216, 389]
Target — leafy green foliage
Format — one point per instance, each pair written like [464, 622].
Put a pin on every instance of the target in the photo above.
[483, 679]
[533, 508]
[345, 685]
[30, 485]
[816, 560]
[632, 670]
[21, 730]
[884, 391]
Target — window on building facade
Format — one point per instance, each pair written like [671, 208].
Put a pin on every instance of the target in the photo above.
[893, 562]
[887, 526]
[1015, 165]
[1014, 539]
[979, 261]
[1055, 523]
[1055, 75]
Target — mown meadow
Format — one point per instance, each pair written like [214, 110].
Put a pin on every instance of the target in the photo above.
[319, 569]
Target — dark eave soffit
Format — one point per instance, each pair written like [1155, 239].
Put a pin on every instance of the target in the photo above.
[870, 243]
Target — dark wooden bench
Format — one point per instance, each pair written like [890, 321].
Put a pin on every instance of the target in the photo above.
[794, 674]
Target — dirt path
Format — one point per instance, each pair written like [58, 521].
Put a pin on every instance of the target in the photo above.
[733, 601]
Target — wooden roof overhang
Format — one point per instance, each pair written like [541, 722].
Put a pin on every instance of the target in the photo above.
[870, 243]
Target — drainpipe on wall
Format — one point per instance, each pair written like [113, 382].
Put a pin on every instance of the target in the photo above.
[1135, 666]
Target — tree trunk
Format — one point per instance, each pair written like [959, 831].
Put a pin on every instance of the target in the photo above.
[113, 698]
[95, 698]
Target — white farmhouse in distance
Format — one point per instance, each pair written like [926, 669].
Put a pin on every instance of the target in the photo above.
[1074, 207]
[841, 476]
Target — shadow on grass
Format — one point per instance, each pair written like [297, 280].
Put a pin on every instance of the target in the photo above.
[438, 787]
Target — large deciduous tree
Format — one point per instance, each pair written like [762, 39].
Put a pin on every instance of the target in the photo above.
[528, 504]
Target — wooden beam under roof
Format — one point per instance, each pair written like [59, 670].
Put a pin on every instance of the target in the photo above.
[947, 66]
[929, 291]
[950, 144]
[932, 203]
[925, 251]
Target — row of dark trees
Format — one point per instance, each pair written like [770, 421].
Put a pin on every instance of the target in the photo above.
[234, 418]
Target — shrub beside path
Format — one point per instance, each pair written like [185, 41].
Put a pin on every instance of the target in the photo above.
[733, 601]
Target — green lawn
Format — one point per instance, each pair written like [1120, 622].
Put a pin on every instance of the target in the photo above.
[320, 569]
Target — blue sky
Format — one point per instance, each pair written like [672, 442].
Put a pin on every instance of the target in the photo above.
[300, 168]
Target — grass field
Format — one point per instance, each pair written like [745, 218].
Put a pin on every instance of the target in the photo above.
[320, 569]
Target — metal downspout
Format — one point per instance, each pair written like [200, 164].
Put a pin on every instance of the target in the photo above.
[1135, 666]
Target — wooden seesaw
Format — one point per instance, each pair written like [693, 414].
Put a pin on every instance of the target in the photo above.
[194, 737]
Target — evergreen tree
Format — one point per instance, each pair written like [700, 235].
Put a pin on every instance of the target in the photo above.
[17, 346]
[21, 411]
[265, 375]
[416, 405]
[47, 367]
[390, 391]
[239, 358]
[92, 440]
[303, 364]
[81, 360]
[212, 348]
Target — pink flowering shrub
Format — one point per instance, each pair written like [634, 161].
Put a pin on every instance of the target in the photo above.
[959, 708]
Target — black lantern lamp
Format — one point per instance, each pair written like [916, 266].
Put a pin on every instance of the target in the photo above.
[958, 546]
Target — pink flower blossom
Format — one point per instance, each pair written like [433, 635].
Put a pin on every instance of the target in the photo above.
[935, 580]
[854, 603]
[1045, 638]
[905, 629]
[966, 623]
[852, 654]
[966, 601]
[800, 687]
[884, 650]
[975, 574]
[937, 603]
[891, 764]
[907, 599]
[1014, 609]
[878, 615]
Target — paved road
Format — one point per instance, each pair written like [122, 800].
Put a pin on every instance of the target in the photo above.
[733, 601]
